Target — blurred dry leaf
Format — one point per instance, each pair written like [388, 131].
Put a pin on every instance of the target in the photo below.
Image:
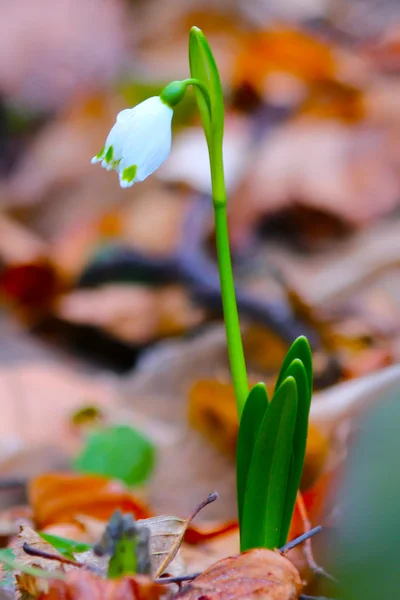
[76, 133]
[60, 497]
[317, 452]
[212, 411]
[292, 52]
[201, 556]
[344, 170]
[189, 162]
[87, 586]
[26, 385]
[384, 52]
[199, 534]
[132, 313]
[255, 574]
[51, 46]
[18, 244]
[263, 348]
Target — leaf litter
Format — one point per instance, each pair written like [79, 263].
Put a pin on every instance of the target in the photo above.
[314, 203]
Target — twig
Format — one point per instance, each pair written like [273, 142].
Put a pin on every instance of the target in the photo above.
[302, 538]
[305, 597]
[178, 579]
[50, 556]
[210, 498]
[307, 549]
[285, 548]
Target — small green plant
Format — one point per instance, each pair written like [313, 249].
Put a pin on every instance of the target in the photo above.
[272, 434]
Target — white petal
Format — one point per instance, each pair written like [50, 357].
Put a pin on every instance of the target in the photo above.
[148, 141]
[116, 138]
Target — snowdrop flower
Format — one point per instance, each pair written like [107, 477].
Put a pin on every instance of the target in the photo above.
[140, 140]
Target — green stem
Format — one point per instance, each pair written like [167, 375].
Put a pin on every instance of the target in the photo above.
[231, 317]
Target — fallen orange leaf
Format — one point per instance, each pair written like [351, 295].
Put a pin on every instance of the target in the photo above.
[198, 534]
[83, 585]
[283, 51]
[59, 497]
[255, 574]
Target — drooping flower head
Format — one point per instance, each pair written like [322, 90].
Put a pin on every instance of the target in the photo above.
[139, 142]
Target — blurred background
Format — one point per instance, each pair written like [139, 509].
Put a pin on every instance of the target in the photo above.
[110, 308]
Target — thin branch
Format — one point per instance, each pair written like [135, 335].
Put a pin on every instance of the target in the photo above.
[305, 597]
[50, 556]
[307, 548]
[302, 538]
[178, 579]
[210, 498]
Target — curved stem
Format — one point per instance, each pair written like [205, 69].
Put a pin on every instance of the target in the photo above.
[231, 317]
[203, 89]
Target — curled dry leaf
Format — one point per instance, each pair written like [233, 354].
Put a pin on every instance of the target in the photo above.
[167, 535]
[87, 586]
[59, 497]
[262, 574]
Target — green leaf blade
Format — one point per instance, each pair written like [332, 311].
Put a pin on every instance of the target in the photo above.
[250, 422]
[299, 349]
[298, 372]
[65, 546]
[203, 67]
[267, 480]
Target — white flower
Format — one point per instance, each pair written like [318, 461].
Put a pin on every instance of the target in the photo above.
[139, 142]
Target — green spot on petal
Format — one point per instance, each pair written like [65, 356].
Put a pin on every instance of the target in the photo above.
[115, 163]
[101, 153]
[129, 173]
[109, 156]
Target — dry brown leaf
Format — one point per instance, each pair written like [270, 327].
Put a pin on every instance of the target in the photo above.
[87, 586]
[28, 583]
[257, 574]
[167, 535]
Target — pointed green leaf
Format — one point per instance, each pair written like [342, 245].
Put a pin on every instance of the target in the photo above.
[203, 67]
[65, 546]
[298, 372]
[299, 349]
[267, 479]
[250, 422]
